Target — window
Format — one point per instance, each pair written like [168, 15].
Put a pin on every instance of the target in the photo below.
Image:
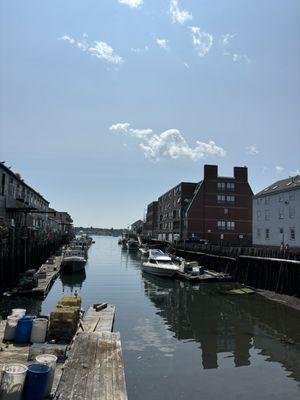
[221, 224]
[230, 199]
[221, 185]
[3, 184]
[230, 186]
[230, 225]
[267, 234]
[281, 213]
[280, 199]
[258, 215]
[292, 196]
[221, 198]
[292, 234]
[225, 210]
[267, 215]
[292, 212]
[267, 200]
[258, 233]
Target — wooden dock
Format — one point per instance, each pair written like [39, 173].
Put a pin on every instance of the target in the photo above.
[94, 369]
[208, 277]
[48, 273]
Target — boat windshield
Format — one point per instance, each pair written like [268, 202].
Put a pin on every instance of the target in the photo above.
[164, 261]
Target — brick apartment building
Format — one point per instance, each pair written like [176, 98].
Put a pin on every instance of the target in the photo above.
[151, 221]
[218, 209]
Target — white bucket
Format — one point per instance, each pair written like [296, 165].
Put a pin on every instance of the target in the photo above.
[50, 360]
[39, 330]
[13, 381]
[20, 312]
[10, 327]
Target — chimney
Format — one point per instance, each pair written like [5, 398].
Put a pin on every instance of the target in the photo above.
[241, 174]
[210, 171]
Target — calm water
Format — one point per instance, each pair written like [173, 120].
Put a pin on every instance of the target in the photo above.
[183, 341]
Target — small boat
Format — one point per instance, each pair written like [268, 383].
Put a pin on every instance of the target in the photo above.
[73, 260]
[160, 264]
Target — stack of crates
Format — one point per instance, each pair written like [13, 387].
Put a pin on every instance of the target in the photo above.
[65, 319]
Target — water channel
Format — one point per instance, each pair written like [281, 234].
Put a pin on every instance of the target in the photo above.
[183, 341]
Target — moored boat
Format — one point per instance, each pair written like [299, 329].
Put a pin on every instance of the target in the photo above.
[159, 264]
[73, 260]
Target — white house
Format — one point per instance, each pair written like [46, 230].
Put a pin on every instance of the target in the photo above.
[276, 214]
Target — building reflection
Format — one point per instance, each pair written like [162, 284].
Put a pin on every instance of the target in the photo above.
[223, 323]
[73, 281]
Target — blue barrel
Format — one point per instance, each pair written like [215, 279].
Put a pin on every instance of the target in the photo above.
[201, 270]
[23, 330]
[36, 382]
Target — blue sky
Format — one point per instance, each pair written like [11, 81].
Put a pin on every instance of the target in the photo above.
[105, 106]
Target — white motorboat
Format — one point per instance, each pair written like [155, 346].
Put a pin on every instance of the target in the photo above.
[159, 264]
[73, 260]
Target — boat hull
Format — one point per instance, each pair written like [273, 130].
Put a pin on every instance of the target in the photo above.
[159, 271]
[73, 265]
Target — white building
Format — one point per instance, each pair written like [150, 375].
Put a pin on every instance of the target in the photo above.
[276, 214]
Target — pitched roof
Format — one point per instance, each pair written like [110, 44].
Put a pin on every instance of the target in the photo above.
[281, 186]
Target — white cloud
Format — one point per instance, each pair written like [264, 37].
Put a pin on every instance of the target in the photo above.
[279, 169]
[101, 50]
[163, 43]
[252, 149]
[139, 49]
[202, 41]
[226, 43]
[225, 39]
[169, 144]
[132, 3]
[177, 14]
[124, 127]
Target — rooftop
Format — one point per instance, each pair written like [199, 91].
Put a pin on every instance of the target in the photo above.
[281, 186]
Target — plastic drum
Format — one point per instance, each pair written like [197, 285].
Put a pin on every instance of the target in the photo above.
[36, 382]
[10, 327]
[50, 360]
[13, 382]
[39, 330]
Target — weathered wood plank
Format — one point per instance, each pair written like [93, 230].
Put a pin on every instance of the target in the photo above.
[94, 370]
[107, 317]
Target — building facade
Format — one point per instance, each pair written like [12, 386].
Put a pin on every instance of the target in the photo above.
[276, 214]
[151, 221]
[221, 208]
[217, 209]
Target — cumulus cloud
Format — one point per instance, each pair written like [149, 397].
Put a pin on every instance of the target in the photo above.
[179, 15]
[99, 49]
[202, 41]
[132, 3]
[252, 149]
[169, 144]
[279, 169]
[163, 43]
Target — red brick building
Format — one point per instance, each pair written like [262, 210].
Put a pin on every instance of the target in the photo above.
[151, 222]
[216, 209]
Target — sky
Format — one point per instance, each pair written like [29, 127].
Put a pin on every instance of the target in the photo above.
[105, 105]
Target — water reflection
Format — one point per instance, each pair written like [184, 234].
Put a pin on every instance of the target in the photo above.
[73, 281]
[229, 327]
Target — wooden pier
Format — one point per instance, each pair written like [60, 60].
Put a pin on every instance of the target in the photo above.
[207, 277]
[94, 369]
[46, 275]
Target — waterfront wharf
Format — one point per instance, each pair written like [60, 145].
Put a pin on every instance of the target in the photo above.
[207, 277]
[46, 276]
[94, 369]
